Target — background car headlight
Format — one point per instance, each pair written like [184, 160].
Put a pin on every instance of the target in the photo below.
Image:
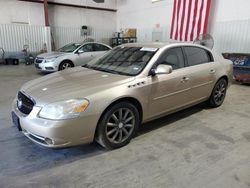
[49, 60]
[64, 110]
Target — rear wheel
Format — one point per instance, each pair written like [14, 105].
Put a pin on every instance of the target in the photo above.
[65, 65]
[15, 62]
[118, 125]
[219, 93]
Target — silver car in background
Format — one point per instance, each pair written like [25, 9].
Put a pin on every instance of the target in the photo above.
[71, 55]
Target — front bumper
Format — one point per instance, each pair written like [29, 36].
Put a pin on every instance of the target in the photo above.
[56, 134]
[47, 67]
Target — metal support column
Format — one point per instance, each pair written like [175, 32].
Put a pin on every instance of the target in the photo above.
[46, 13]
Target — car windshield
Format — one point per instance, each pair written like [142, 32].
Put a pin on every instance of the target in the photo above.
[69, 47]
[123, 60]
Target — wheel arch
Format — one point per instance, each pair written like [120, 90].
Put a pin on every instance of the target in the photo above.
[223, 77]
[66, 60]
[131, 100]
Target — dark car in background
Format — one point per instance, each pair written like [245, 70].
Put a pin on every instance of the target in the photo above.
[241, 66]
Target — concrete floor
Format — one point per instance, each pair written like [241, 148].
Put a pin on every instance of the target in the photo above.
[198, 147]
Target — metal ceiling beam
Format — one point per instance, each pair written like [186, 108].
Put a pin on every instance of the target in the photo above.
[72, 5]
[99, 1]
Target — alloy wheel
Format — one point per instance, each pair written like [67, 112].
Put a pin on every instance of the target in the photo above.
[220, 92]
[66, 66]
[120, 125]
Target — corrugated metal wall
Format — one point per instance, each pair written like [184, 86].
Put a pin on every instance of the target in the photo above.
[14, 37]
[232, 36]
[64, 35]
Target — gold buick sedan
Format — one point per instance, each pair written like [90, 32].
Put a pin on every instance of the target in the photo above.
[108, 98]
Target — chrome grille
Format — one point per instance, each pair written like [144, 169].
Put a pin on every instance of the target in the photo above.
[39, 60]
[24, 103]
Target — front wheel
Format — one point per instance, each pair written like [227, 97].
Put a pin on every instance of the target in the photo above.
[219, 93]
[118, 125]
[65, 65]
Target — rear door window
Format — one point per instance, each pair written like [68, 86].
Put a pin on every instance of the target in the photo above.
[197, 56]
[100, 47]
[88, 48]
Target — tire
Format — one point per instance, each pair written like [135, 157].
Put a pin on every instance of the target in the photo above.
[219, 93]
[15, 62]
[65, 65]
[118, 125]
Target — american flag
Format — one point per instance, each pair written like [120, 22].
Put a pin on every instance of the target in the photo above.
[190, 19]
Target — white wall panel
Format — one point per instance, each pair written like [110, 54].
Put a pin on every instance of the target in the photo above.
[232, 36]
[65, 35]
[13, 11]
[111, 4]
[143, 14]
[146, 34]
[14, 37]
[229, 21]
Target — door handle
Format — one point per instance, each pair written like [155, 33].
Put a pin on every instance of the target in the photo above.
[212, 71]
[184, 79]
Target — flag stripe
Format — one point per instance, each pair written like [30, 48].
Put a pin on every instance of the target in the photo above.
[185, 20]
[203, 17]
[178, 14]
[173, 20]
[207, 15]
[200, 19]
[189, 19]
[194, 20]
[182, 19]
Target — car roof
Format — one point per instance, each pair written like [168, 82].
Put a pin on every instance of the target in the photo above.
[146, 45]
[163, 45]
[81, 43]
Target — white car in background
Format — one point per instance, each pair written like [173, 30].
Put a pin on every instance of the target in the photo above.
[71, 55]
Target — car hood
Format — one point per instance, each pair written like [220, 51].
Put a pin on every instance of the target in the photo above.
[51, 55]
[73, 83]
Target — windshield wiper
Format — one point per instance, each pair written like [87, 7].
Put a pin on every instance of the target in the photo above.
[90, 67]
[104, 70]
[113, 71]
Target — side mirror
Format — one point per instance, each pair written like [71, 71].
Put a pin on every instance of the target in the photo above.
[163, 69]
[80, 51]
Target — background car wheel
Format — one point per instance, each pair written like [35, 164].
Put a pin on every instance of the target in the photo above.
[219, 92]
[118, 125]
[65, 65]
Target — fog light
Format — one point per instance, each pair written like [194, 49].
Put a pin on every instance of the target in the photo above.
[49, 68]
[48, 141]
[24, 131]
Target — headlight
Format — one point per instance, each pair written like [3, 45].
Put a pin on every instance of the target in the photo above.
[64, 110]
[50, 60]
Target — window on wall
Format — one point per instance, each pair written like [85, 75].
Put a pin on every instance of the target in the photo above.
[196, 56]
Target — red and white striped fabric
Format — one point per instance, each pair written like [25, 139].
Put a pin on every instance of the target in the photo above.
[190, 19]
